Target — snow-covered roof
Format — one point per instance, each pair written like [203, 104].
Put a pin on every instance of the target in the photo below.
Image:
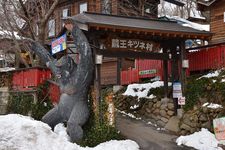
[206, 2]
[190, 24]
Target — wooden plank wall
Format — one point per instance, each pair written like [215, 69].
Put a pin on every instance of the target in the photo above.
[109, 73]
[217, 24]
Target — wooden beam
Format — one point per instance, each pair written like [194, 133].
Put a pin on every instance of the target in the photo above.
[133, 54]
[165, 74]
[183, 70]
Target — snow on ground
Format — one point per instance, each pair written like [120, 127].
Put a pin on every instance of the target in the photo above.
[141, 90]
[23, 133]
[212, 105]
[128, 114]
[202, 140]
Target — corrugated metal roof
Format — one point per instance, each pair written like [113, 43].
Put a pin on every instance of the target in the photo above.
[135, 23]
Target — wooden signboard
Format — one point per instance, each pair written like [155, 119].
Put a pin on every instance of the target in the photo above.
[131, 44]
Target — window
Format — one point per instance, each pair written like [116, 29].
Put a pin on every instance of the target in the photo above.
[51, 28]
[65, 12]
[37, 29]
[224, 17]
[83, 7]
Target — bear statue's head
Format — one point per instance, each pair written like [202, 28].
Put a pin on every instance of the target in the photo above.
[66, 66]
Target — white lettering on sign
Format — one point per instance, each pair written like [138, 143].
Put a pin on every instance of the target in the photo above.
[132, 44]
[181, 100]
[115, 43]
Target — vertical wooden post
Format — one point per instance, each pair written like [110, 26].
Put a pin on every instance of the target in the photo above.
[97, 86]
[165, 74]
[183, 70]
[119, 65]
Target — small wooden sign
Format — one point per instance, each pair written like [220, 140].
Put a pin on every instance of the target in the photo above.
[132, 44]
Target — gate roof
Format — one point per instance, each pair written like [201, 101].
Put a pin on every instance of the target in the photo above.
[153, 27]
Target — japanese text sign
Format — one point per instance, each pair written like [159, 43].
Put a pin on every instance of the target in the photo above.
[132, 44]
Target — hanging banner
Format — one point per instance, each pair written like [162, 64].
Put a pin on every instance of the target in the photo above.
[177, 91]
[219, 128]
[59, 44]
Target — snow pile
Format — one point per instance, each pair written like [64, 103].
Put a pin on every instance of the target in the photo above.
[212, 105]
[23, 133]
[211, 75]
[141, 90]
[202, 140]
[60, 129]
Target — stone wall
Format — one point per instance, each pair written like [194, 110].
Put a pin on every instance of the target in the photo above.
[199, 117]
[151, 109]
[159, 111]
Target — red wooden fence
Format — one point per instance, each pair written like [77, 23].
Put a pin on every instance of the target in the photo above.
[204, 59]
[27, 79]
[207, 59]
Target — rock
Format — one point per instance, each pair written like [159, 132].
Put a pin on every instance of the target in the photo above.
[170, 106]
[161, 123]
[188, 121]
[155, 100]
[148, 110]
[163, 106]
[194, 118]
[163, 113]
[205, 110]
[165, 100]
[158, 104]
[173, 124]
[156, 112]
[156, 118]
[150, 105]
[170, 113]
[183, 132]
[203, 118]
[164, 119]
[207, 125]
[185, 127]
